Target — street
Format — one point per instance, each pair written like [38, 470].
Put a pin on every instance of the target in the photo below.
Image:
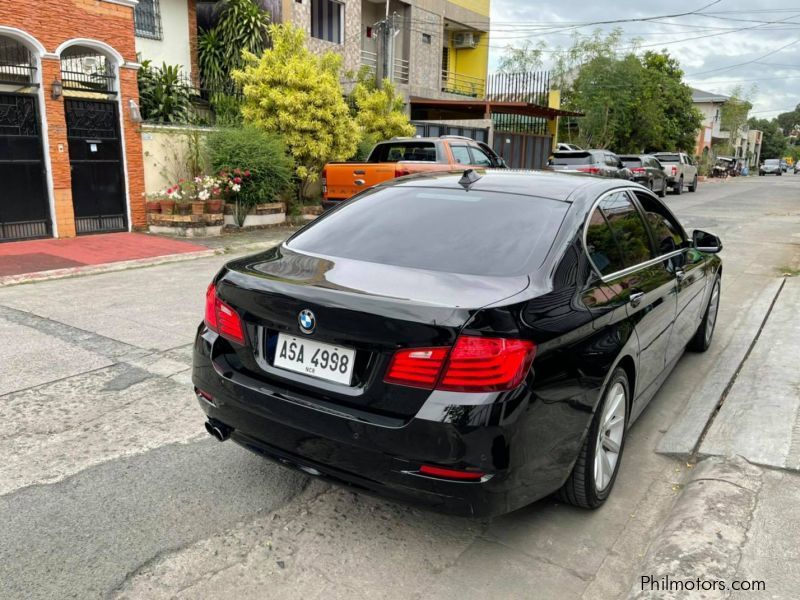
[110, 486]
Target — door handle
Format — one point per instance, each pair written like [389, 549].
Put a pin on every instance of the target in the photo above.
[636, 298]
[680, 275]
[359, 172]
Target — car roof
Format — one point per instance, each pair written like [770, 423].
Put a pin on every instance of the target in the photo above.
[537, 184]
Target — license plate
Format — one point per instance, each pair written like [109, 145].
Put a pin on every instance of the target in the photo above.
[325, 361]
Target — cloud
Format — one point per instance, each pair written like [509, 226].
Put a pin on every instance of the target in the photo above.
[728, 34]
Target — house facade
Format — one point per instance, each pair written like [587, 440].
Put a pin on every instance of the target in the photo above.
[166, 33]
[710, 106]
[437, 48]
[70, 149]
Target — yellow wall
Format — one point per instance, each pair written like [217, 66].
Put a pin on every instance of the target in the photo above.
[472, 62]
[482, 7]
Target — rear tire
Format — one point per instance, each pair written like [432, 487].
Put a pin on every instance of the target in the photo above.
[678, 189]
[595, 471]
[705, 332]
[663, 191]
[693, 187]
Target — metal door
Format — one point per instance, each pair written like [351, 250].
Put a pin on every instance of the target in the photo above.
[95, 156]
[24, 209]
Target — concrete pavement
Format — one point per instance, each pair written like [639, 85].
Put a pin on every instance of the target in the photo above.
[110, 488]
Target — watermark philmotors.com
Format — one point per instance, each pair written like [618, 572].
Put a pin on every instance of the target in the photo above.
[666, 583]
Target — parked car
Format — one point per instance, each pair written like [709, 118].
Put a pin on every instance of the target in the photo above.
[681, 170]
[470, 343]
[404, 156]
[797, 167]
[771, 166]
[593, 162]
[564, 147]
[784, 166]
[646, 169]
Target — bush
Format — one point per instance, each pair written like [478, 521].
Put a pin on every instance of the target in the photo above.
[261, 154]
[164, 94]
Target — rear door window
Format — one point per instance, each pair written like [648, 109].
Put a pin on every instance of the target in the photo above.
[631, 162]
[439, 229]
[668, 158]
[628, 228]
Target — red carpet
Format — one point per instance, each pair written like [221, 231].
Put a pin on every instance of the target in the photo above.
[17, 258]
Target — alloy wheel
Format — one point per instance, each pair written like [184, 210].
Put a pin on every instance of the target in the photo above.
[609, 436]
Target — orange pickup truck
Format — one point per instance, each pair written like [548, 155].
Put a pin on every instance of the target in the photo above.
[404, 156]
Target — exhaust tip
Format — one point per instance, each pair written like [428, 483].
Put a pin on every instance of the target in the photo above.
[219, 431]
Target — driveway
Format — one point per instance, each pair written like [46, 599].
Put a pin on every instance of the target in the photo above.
[110, 486]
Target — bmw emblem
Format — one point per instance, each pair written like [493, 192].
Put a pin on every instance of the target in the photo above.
[307, 320]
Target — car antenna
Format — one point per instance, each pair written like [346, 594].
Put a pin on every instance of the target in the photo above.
[469, 177]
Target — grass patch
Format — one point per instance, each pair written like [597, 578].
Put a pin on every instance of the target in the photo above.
[787, 271]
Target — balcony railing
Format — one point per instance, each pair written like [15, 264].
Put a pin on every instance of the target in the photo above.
[401, 67]
[463, 85]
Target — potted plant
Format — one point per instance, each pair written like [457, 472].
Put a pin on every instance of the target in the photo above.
[216, 202]
[168, 199]
[153, 203]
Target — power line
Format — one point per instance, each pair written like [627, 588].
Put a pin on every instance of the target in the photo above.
[749, 62]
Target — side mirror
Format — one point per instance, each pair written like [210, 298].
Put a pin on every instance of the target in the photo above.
[706, 242]
[500, 163]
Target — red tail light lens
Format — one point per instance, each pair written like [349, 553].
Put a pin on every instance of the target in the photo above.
[451, 473]
[401, 172]
[416, 367]
[674, 170]
[474, 364]
[590, 170]
[479, 364]
[222, 318]
[637, 170]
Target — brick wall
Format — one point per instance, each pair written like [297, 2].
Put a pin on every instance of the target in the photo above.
[52, 24]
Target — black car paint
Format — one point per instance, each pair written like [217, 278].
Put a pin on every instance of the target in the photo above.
[374, 436]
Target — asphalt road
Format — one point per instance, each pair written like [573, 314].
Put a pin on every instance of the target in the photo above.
[109, 487]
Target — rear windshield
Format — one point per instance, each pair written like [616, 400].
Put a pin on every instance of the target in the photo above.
[472, 233]
[571, 158]
[772, 161]
[631, 161]
[670, 158]
[397, 151]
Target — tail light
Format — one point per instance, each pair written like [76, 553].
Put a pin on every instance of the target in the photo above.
[637, 170]
[674, 170]
[221, 318]
[324, 180]
[590, 170]
[474, 364]
[401, 172]
[417, 367]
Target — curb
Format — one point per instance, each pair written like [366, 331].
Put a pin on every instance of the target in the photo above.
[702, 539]
[10, 280]
[684, 435]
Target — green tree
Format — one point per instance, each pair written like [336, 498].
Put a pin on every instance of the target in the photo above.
[522, 59]
[297, 95]
[681, 121]
[773, 142]
[380, 111]
[789, 121]
[732, 119]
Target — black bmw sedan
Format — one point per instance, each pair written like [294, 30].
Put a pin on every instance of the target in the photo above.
[468, 342]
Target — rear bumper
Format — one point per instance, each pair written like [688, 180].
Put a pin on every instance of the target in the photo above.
[385, 460]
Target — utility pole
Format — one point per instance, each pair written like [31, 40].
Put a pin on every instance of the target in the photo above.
[387, 32]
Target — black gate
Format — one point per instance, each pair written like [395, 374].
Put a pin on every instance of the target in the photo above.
[24, 209]
[523, 150]
[95, 157]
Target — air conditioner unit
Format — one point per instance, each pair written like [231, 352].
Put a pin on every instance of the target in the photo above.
[465, 39]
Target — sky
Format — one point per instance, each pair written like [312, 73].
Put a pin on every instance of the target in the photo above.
[711, 44]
